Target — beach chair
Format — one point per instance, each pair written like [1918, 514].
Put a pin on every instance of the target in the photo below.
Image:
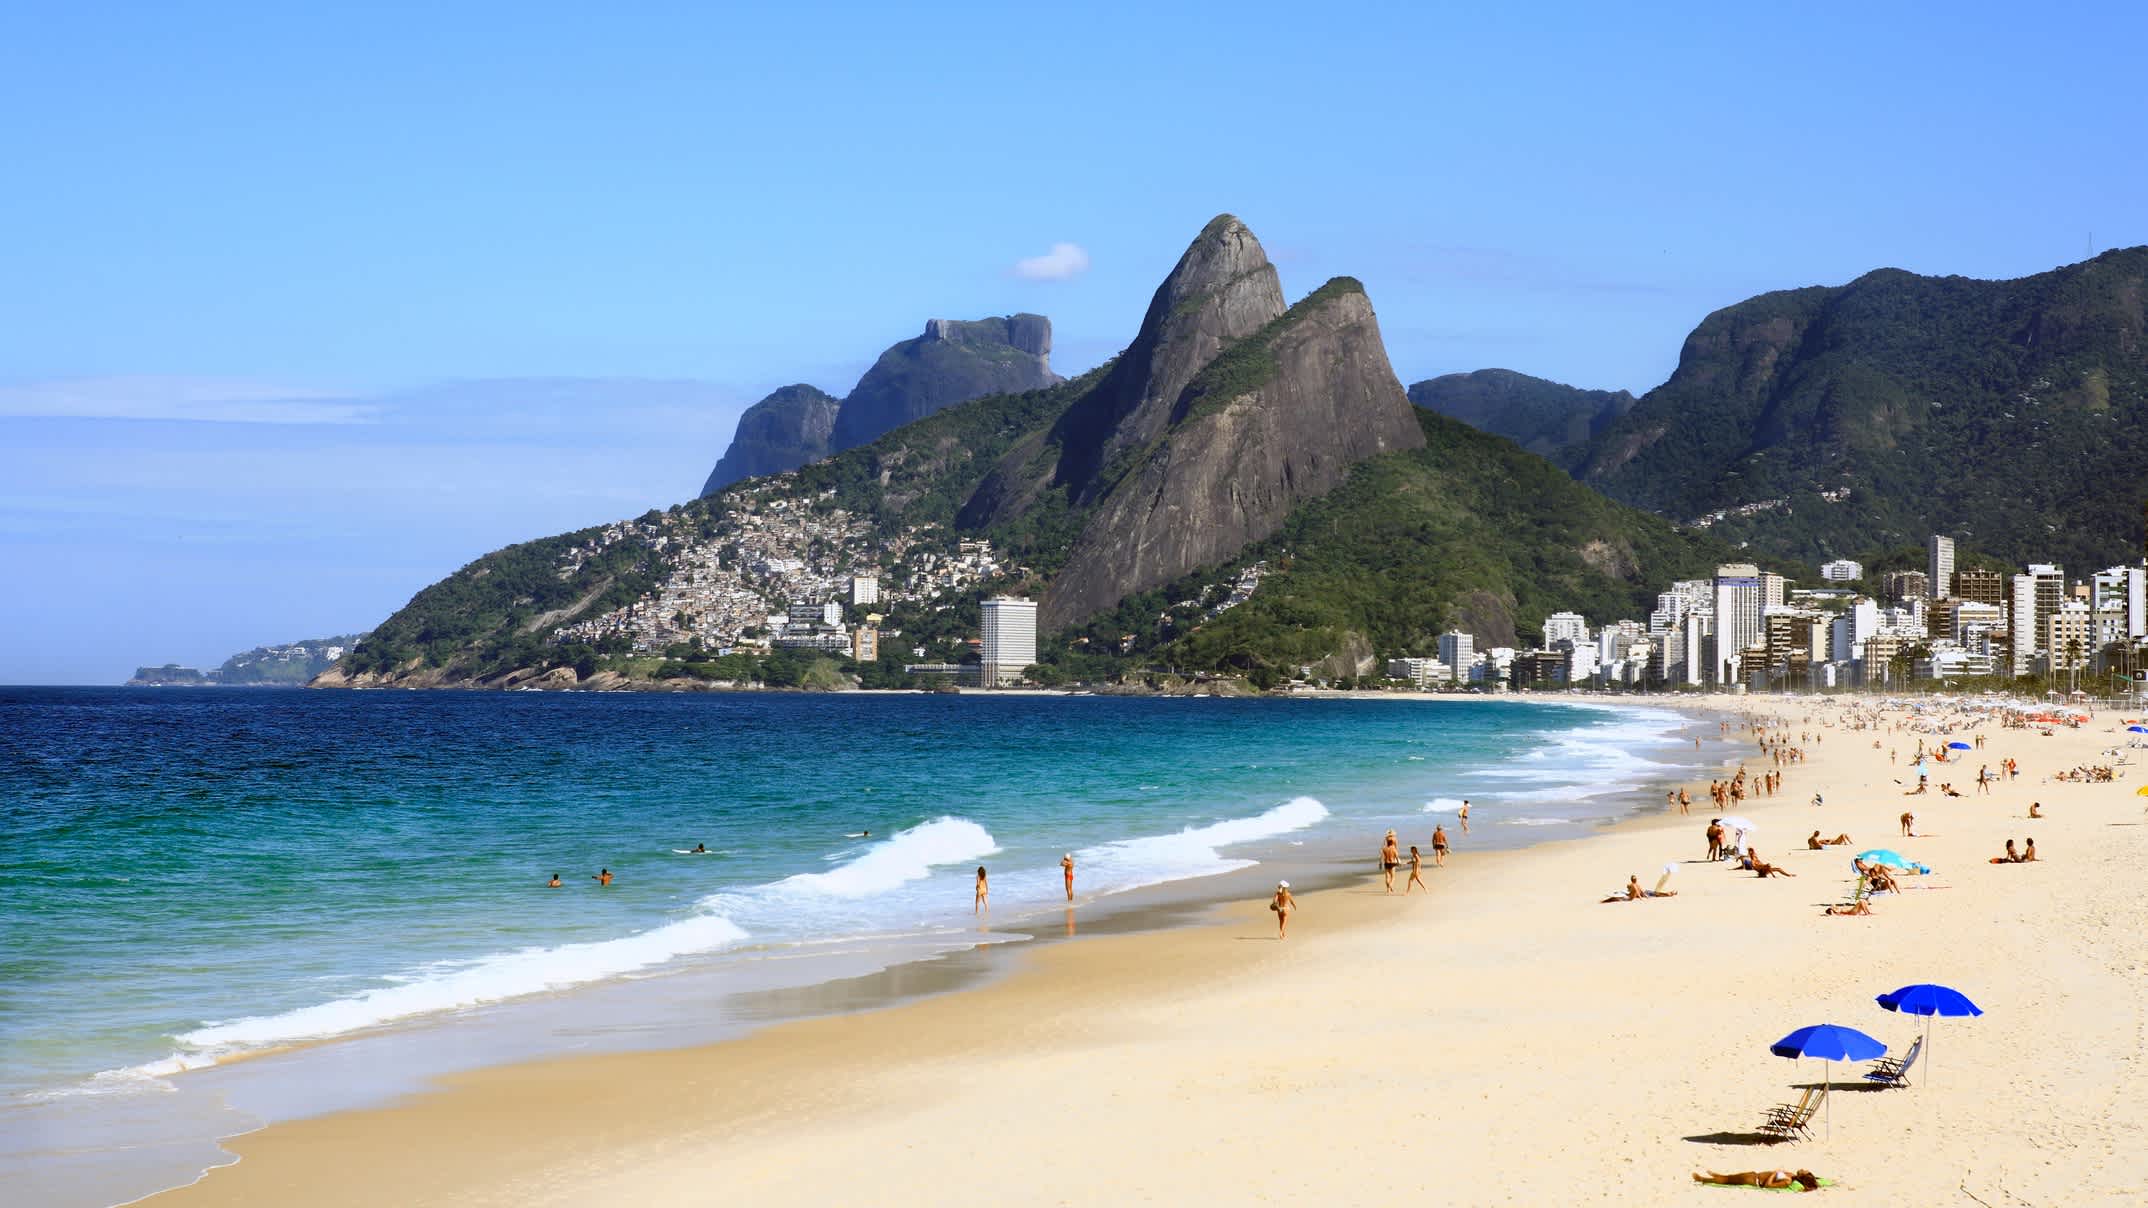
[1794, 1120]
[1790, 1121]
[1894, 1071]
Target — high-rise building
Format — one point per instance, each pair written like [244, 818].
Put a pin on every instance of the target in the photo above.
[1773, 589]
[1565, 627]
[1852, 629]
[1842, 570]
[2124, 587]
[2021, 622]
[1940, 573]
[865, 644]
[1458, 650]
[1983, 586]
[2050, 590]
[1010, 639]
[864, 590]
[1737, 618]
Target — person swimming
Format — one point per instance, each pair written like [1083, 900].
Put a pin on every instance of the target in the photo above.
[603, 878]
[700, 849]
[553, 883]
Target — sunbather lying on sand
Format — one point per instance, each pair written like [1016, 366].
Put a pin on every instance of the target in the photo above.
[1860, 906]
[1781, 1180]
[1815, 842]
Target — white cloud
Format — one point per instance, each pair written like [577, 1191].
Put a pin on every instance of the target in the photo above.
[206, 400]
[1064, 261]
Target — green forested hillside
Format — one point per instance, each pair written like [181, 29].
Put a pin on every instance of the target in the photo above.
[2012, 414]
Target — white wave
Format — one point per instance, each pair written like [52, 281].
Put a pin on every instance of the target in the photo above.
[1443, 805]
[489, 979]
[907, 856]
[1193, 852]
[1536, 821]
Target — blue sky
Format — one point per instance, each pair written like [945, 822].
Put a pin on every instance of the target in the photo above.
[266, 267]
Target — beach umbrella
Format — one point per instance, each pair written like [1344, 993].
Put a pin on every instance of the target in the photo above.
[1928, 1000]
[1830, 1043]
[1737, 828]
[1881, 855]
[2141, 791]
[2138, 729]
[1959, 746]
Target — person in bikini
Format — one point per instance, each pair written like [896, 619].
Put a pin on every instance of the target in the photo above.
[1066, 865]
[1815, 842]
[1417, 880]
[1282, 903]
[983, 904]
[1774, 1180]
[1765, 869]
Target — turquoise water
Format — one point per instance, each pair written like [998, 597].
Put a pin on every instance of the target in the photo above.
[197, 875]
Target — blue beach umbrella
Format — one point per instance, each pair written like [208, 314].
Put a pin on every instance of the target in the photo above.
[1830, 1043]
[1959, 746]
[1881, 855]
[1928, 1000]
[2138, 729]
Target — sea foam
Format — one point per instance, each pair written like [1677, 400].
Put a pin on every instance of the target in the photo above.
[489, 979]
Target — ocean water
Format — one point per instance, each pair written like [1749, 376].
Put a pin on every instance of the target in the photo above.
[193, 877]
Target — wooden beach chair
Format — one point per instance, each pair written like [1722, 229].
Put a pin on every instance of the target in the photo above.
[1790, 1121]
[1894, 1071]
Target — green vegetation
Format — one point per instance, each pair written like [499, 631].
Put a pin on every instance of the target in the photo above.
[2013, 414]
[1551, 420]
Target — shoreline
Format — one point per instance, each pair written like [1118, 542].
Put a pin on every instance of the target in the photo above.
[1552, 1034]
[401, 1059]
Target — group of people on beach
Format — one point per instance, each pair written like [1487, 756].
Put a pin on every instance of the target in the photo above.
[1391, 856]
[981, 904]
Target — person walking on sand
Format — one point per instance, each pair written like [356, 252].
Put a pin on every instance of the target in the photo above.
[1390, 859]
[1439, 846]
[983, 905]
[1685, 801]
[1417, 869]
[1462, 815]
[1282, 903]
[1066, 865]
[1984, 779]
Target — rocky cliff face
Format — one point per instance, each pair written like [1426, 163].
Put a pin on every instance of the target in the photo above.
[1278, 418]
[789, 428]
[956, 360]
[953, 362]
[1550, 419]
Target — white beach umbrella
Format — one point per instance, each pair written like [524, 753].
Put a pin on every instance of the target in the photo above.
[1738, 828]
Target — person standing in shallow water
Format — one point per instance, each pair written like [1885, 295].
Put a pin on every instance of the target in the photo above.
[603, 878]
[1282, 903]
[1066, 865]
[983, 904]
[1462, 815]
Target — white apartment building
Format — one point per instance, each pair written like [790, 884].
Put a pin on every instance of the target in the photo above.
[2021, 622]
[864, 590]
[1419, 671]
[2126, 586]
[1737, 618]
[1458, 650]
[1010, 640]
[1565, 627]
[1842, 570]
[1940, 571]
[1847, 636]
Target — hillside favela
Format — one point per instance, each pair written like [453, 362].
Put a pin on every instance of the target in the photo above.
[1038, 606]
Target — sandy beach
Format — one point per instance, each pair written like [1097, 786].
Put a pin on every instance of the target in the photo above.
[1506, 1040]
